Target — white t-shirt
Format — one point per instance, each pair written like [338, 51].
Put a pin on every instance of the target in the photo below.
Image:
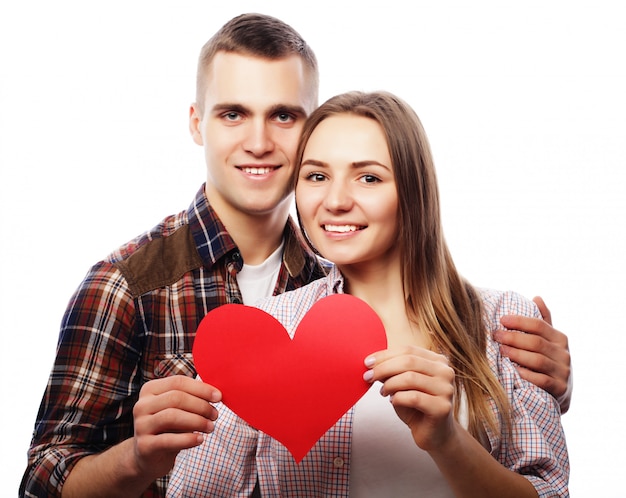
[258, 281]
[382, 446]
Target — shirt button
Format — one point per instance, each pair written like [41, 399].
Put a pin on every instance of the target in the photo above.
[236, 256]
[338, 462]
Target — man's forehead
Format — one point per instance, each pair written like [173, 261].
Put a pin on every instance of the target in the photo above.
[258, 82]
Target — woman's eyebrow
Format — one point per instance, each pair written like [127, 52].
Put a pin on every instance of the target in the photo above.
[355, 164]
[364, 164]
[313, 162]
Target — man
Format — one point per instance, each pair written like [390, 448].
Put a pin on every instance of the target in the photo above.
[115, 414]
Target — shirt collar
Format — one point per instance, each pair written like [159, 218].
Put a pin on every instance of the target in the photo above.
[213, 240]
[209, 234]
[335, 281]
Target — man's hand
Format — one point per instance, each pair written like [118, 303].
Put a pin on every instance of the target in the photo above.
[169, 416]
[542, 353]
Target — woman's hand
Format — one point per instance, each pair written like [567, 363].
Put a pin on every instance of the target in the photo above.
[420, 385]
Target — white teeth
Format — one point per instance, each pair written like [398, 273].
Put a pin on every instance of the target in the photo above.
[256, 171]
[341, 228]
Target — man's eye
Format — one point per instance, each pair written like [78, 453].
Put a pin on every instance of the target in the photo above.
[232, 116]
[284, 117]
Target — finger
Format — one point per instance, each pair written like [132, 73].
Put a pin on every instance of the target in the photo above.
[395, 365]
[179, 400]
[543, 309]
[435, 385]
[167, 443]
[527, 324]
[532, 351]
[533, 327]
[429, 405]
[429, 373]
[554, 385]
[554, 367]
[527, 342]
[182, 383]
[172, 420]
[387, 354]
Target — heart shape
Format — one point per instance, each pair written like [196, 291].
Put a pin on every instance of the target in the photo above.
[293, 390]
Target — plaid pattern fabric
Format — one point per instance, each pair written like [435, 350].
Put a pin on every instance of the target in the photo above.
[133, 319]
[229, 460]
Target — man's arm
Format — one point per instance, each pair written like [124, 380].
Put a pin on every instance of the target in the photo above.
[542, 353]
[94, 400]
[169, 416]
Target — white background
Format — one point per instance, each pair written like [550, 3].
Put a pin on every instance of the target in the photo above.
[524, 104]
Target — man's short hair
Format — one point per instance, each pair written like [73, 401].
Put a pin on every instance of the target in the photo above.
[256, 35]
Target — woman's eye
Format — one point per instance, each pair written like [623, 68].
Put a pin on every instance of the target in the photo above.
[315, 177]
[370, 179]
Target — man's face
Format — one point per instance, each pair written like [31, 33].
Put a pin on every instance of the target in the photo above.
[252, 116]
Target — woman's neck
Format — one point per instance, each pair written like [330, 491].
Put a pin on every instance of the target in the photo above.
[382, 289]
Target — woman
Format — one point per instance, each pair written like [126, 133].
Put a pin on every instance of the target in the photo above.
[367, 200]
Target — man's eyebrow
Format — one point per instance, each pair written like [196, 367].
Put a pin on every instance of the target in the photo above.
[290, 109]
[226, 106]
[275, 109]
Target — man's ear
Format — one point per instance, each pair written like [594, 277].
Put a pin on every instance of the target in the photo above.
[195, 119]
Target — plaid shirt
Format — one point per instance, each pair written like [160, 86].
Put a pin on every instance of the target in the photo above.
[228, 462]
[133, 319]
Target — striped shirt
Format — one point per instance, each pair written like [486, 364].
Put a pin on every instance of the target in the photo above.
[133, 319]
[228, 462]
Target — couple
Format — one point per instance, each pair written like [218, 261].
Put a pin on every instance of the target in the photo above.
[367, 199]
[115, 415]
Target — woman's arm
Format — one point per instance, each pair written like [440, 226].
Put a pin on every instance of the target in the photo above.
[420, 384]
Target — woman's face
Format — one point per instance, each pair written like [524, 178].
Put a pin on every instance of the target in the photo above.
[346, 192]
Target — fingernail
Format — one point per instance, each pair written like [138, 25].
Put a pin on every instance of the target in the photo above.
[369, 361]
[368, 375]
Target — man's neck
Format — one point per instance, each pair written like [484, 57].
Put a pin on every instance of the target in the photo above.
[256, 236]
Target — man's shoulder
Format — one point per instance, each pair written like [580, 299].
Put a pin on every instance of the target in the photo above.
[158, 257]
[166, 227]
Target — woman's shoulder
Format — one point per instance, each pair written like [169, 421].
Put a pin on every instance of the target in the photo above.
[291, 306]
[498, 303]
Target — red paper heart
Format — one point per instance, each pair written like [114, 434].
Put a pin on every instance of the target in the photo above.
[293, 390]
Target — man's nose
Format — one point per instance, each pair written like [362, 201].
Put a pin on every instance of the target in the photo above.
[259, 138]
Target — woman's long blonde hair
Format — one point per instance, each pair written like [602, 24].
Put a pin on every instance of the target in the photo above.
[438, 300]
